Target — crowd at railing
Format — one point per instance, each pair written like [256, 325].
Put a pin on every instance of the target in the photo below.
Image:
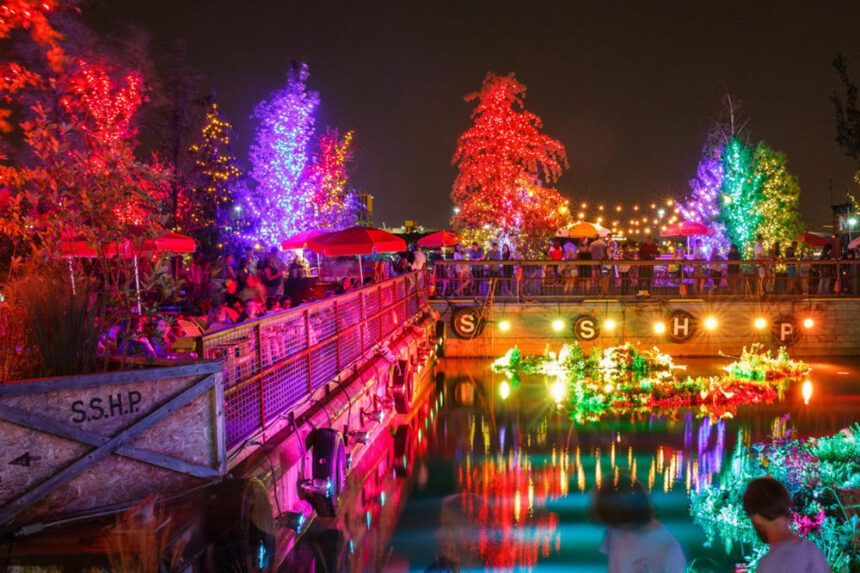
[600, 270]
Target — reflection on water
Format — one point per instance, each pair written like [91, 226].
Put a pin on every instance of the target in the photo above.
[487, 477]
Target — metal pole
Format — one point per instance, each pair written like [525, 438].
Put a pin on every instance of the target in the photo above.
[137, 284]
[72, 277]
[360, 272]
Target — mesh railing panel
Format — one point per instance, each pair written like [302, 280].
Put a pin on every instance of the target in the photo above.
[323, 364]
[285, 356]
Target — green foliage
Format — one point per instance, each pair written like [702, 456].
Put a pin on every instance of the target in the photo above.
[814, 471]
[780, 197]
[625, 378]
[741, 193]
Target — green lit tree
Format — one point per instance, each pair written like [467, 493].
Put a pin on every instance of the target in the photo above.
[780, 219]
[741, 194]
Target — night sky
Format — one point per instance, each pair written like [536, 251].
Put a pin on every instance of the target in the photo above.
[629, 88]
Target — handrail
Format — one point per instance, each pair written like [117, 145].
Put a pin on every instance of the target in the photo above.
[271, 363]
[528, 279]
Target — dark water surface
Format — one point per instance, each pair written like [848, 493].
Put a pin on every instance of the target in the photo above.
[504, 484]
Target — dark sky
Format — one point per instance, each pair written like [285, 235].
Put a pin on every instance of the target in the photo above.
[629, 87]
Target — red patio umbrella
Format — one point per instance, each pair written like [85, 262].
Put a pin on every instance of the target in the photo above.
[170, 243]
[814, 240]
[357, 241]
[686, 229]
[300, 240]
[439, 239]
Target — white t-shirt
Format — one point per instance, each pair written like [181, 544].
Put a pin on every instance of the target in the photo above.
[650, 549]
[420, 261]
[798, 555]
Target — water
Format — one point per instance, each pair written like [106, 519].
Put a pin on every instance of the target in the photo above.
[514, 475]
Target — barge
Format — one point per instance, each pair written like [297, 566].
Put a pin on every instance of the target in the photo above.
[217, 464]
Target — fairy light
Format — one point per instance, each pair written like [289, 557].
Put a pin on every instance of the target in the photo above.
[506, 167]
[279, 157]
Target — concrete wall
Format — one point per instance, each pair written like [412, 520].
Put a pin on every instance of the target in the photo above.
[836, 329]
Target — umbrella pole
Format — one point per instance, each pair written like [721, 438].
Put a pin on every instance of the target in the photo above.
[137, 284]
[360, 272]
[72, 277]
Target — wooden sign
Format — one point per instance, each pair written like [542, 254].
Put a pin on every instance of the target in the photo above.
[586, 328]
[785, 331]
[682, 326]
[466, 322]
[83, 442]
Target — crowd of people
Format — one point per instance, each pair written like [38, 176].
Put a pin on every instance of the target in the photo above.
[219, 294]
[600, 265]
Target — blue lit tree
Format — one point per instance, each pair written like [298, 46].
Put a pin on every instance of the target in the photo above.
[281, 205]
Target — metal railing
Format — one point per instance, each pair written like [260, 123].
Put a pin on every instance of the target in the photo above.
[271, 363]
[675, 278]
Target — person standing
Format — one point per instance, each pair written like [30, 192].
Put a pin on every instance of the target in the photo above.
[508, 286]
[759, 257]
[597, 248]
[476, 254]
[494, 254]
[768, 505]
[648, 251]
[272, 275]
[825, 271]
[733, 270]
[461, 271]
[791, 269]
[569, 271]
[419, 259]
[634, 540]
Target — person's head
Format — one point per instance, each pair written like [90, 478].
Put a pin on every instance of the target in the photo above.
[457, 248]
[253, 309]
[254, 281]
[494, 245]
[230, 285]
[273, 252]
[506, 248]
[733, 248]
[228, 259]
[218, 314]
[474, 246]
[286, 302]
[768, 505]
[759, 238]
[794, 244]
[238, 306]
[625, 505]
[698, 242]
[243, 263]
[273, 303]
[648, 239]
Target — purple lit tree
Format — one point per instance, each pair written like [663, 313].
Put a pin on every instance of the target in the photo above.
[702, 205]
[281, 205]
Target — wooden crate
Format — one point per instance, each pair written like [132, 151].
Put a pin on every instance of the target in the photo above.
[82, 444]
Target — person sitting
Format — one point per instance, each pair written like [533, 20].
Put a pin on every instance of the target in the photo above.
[253, 309]
[273, 304]
[135, 342]
[768, 505]
[254, 290]
[345, 285]
[218, 318]
[286, 302]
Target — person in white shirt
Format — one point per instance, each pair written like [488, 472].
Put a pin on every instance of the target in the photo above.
[420, 261]
[768, 505]
[634, 540]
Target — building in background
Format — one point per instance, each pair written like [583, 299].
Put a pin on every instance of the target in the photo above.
[365, 209]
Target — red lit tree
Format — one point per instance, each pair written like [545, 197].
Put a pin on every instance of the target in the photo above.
[334, 201]
[506, 169]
